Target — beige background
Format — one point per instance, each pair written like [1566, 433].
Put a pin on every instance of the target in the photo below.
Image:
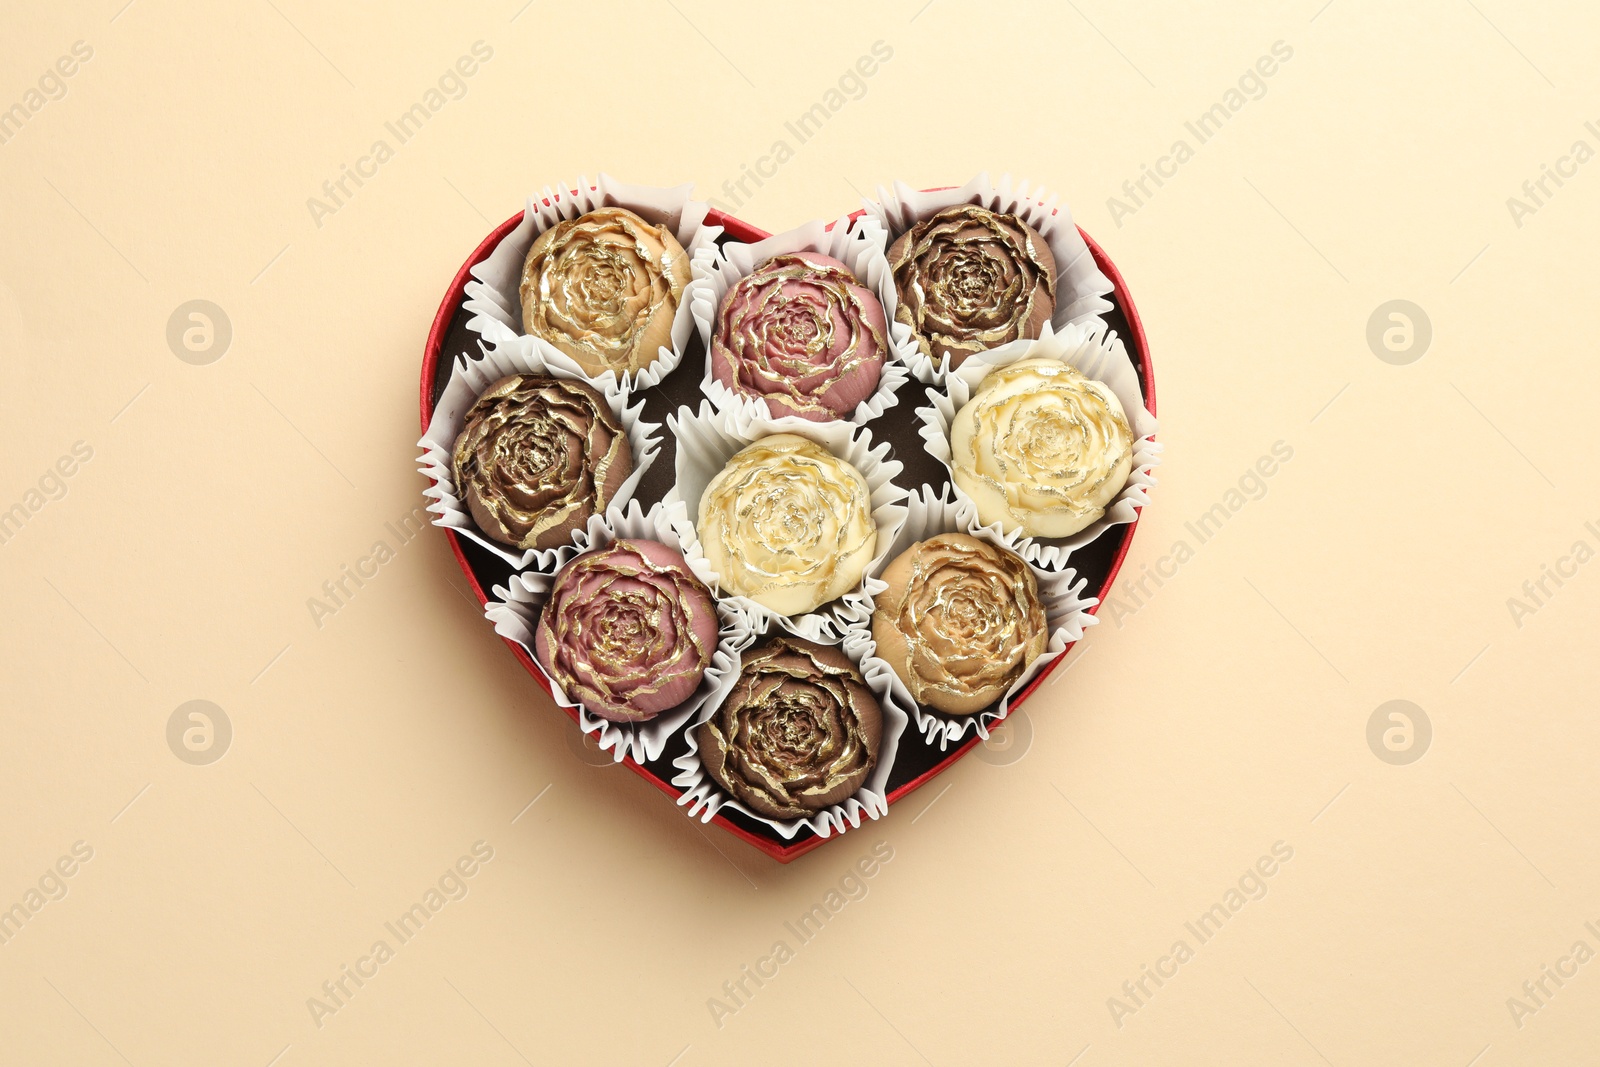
[1225, 714]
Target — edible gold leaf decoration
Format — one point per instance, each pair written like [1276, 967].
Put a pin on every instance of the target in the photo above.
[960, 622]
[801, 334]
[628, 630]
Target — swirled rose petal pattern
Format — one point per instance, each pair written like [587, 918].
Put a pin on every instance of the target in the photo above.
[628, 630]
[1041, 448]
[787, 524]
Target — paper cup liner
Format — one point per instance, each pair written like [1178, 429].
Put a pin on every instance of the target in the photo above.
[1097, 353]
[517, 605]
[716, 270]
[494, 295]
[708, 438]
[705, 798]
[1060, 593]
[1081, 287]
[469, 378]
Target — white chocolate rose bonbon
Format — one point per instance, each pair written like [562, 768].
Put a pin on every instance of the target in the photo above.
[787, 524]
[1040, 448]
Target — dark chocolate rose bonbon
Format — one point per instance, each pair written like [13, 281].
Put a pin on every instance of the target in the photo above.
[971, 279]
[799, 732]
[537, 457]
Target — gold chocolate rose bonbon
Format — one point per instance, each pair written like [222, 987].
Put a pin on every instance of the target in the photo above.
[604, 288]
[960, 621]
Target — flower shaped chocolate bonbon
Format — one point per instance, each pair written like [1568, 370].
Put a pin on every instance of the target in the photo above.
[799, 732]
[536, 457]
[604, 288]
[787, 524]
[1040, 448]
[960, 621]
[628, 630]
[801, 334]
[970, 279]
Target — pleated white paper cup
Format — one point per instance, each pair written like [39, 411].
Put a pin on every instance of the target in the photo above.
[1097, 353]
[1081, 286]
[1060, 593]
[470, 377]
[716, 270]
[517, 605]
[705, 798]
[494, 295]
[707, 439]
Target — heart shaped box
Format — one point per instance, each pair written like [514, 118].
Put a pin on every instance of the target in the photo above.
[917, 762]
